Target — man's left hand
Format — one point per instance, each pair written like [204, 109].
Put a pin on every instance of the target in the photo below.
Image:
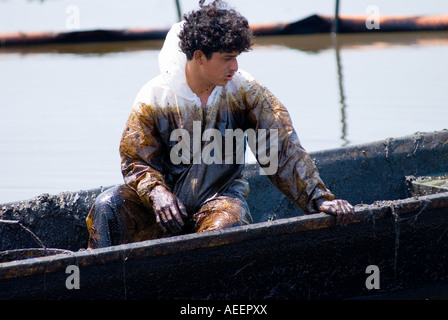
[342, 209]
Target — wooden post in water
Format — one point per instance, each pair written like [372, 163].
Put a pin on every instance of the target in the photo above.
[179, 11]
[335, 26]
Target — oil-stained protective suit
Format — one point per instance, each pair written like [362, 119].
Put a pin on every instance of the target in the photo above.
[166, 103]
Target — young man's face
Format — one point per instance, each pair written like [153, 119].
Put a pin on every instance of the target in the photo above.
[220, 68]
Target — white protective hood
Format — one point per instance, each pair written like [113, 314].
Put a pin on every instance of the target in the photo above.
[172, 63]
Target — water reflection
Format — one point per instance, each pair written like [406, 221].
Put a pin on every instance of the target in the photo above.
[321, 42]
[337, 48]
[306, 43]
[338, 42]
[91, 48]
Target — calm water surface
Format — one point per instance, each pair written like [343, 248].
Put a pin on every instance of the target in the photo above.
[63, 109]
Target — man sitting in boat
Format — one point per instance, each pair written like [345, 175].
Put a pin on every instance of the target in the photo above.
[181, 154]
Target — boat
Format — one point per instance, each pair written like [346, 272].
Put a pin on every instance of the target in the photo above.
[396, 242]
[313, 24]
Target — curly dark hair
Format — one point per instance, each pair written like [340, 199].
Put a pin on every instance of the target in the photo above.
[214, 28]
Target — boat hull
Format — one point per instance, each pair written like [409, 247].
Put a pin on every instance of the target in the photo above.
[284, 255]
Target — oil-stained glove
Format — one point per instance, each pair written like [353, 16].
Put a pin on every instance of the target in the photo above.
[342, 209]
[169, 210]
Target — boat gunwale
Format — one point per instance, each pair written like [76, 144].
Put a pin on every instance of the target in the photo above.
[172, 245]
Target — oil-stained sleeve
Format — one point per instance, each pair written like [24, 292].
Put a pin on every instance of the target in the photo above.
[296, 174]
[141, 152]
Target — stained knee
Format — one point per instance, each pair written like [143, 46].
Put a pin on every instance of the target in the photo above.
[216, 221]
[109, 197]
[102, 221]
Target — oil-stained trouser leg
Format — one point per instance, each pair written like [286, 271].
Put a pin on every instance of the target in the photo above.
[222, 212]
[118, 216]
